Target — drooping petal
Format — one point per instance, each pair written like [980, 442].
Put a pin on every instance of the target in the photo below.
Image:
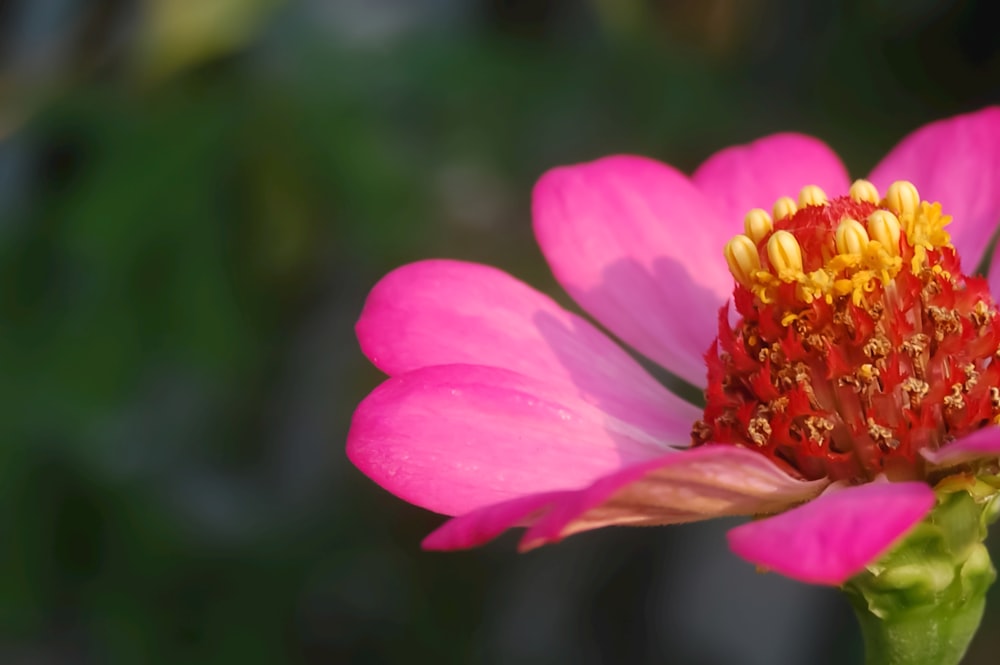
[757, 174]
[452, 438]
[450, 312]
[702, 483]
[983, 443]
[957, 163]
[484, 524]
[640, 248]
[833, 537]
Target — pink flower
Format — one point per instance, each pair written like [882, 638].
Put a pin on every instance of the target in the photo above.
[851, 378]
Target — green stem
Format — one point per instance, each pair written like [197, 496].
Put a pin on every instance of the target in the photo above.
[920, 637]
[921, 603]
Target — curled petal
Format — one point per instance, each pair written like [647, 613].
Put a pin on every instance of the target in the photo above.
[957, 163]
[452, 438]
[755, 175]
[833, 537]
[486, 523]
[450, 312]
[702, 483]
[617, 233]
[983, 443]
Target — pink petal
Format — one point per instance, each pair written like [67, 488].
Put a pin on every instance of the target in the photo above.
[452, 438]
[956, 162]
[757, 174]
[993, 276]
[640, 248]
[832, 538]
[450, 312]
[483, 525]
[710, 481]
[701, 483]
[983, 443]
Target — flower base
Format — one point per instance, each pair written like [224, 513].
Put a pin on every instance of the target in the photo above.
[922, 603]
[926, 636]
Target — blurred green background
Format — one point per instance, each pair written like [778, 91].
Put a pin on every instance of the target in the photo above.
[195, 197]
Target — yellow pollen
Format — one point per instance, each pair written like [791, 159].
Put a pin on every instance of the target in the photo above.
[902, 198]
[864, 190]
[744, 262]
[811, 195]
[785, 255]
[784, 207]
[757, 224]
[926, 228]
[884, 228]
[851, 237]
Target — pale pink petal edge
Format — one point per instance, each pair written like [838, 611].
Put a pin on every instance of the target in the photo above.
[702, 483]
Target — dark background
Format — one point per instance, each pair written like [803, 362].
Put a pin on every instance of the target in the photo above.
[195, 196]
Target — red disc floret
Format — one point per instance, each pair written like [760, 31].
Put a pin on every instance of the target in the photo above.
[814, 227]
[851, 387]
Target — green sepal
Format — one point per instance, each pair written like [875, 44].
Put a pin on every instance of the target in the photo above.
[921, 603]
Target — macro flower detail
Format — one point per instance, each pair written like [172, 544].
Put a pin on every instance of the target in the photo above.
[846, 355]
[860, 346]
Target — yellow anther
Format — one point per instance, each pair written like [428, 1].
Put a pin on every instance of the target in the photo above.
[811, 195]
[785, 255]
[757, 224]
[864, 190]
[741, 255]
[784, 207]
[902, 198]
[851, 237]
[884, 227]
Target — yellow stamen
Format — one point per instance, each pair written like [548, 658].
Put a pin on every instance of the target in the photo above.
[868, 253]
[741, 255]
[784, 207]
[811, 195]
[884, 228]
[757, 224]
[851, 237]
[785, 255]
[902, 198]
[864, 190]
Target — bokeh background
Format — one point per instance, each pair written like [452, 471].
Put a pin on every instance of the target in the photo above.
[195, 196]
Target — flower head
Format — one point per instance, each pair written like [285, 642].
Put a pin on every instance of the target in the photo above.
[860, 346]
[855, 374]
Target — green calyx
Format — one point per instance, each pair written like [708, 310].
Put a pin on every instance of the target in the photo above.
[921, 603]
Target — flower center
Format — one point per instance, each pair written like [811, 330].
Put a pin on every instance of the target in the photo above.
[860, 341]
